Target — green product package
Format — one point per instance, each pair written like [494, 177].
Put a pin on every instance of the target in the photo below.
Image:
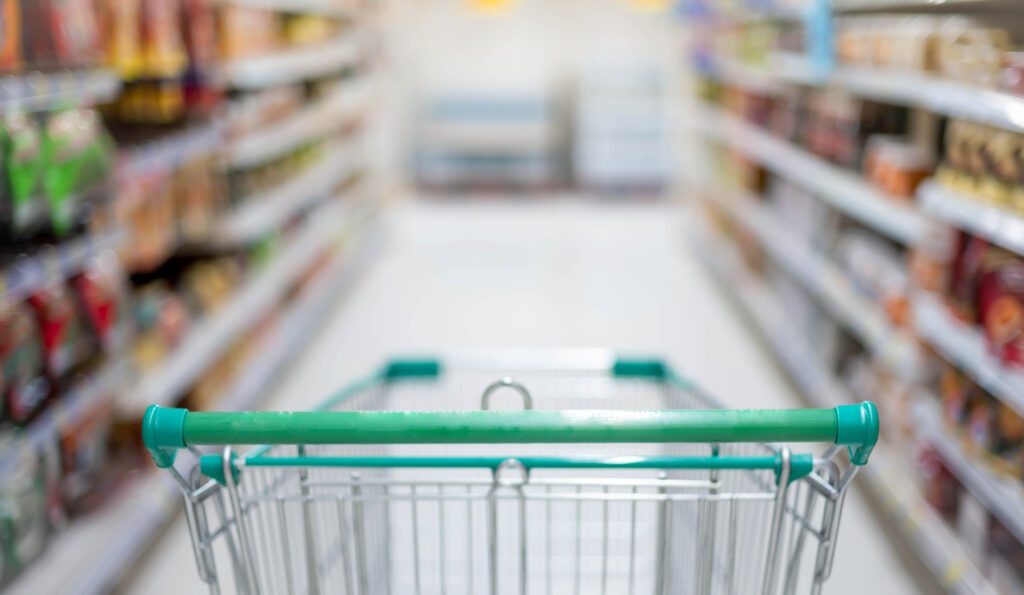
[23, 160]
[77, 152]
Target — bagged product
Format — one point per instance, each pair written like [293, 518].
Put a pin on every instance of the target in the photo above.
[10, 35]
[78, 155]
[26, 386]
[66, 343]
[23, 164]
[1001, 305]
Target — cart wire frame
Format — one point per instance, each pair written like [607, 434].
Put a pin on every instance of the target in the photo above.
[358, 497]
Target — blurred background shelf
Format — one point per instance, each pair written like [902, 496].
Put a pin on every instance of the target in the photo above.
[997, 224]
[346, 102]
[295, 65]
[330, 8]
[966, 347]
[843, 190]
[40, 91]
[259, 215]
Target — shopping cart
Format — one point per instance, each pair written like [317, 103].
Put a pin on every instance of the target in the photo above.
[406, 482]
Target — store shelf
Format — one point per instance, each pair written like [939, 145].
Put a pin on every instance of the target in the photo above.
[865, 319]
[100, 386]
[965, 347]
[56, 263]
[841, 189]
[843, 6]
[295, 65]
[1001, 496]
[973, 215]
[933, 541]
[38, 91]
[170, 152]
[328, 8]
[292, 333]
[212, 336]
[96, 551]
[937, 545]
[491, 137]
[347, 102]
[261, 214]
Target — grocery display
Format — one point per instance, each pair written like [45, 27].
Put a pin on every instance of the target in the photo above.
[904, 205]
[801, 204]
[116, 187]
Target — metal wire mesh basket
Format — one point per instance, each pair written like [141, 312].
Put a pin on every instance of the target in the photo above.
[603, 476]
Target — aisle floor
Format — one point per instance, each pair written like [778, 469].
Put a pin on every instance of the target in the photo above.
[564, 274]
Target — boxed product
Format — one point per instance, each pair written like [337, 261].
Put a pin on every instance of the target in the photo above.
[896, 164]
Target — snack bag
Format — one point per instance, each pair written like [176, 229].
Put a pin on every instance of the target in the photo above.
[1001, 305]
[10, 35]
[26, 387]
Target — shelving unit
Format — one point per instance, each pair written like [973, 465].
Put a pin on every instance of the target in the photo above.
[170, 152]
[260, 215]
[54, 263]
[893, 347]
[212, 336]
[346, 102]
[914, 89]
[844, 190]
[932, 539]
[329, 8]
[1002, 496]
[295, 65]
[98, 549]
[976, 216]
[40, 91]
[965, 347]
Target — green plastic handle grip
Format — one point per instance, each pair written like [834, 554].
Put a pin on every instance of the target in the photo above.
[165, 430]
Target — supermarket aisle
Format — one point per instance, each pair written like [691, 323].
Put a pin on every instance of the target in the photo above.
[562, 274]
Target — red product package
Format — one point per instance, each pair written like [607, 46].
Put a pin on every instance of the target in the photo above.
[65, 342]
[1001, 306]
[99, 292]
[967, 268]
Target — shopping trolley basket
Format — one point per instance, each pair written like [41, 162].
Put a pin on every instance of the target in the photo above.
[617, 477]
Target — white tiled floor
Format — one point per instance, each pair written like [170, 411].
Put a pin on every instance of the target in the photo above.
[546, 275]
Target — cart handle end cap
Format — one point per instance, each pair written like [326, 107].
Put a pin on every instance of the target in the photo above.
[163, 433]
[857, 427]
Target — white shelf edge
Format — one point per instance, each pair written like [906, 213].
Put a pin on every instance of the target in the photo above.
[27, 274]
[931, 538]
[342, 104]
[294, 65]
[259, 215]
[843, 190]
[38, 91]
[169, 152]
[952, 98]
[893, 347]
[153, 498]
[966, 348]
[1002, 497]
[976, 216]
[213, 334]
[70, 408]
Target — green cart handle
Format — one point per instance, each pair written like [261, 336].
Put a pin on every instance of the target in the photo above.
[164, 430]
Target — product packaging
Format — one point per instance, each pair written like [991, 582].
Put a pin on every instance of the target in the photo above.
[10, 35]
[26, 385]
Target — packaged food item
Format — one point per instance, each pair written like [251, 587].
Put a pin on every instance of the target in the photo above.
[161, 320]
[980, 421]
[1001, 304]
[78, 155]
[66, 343]
[100, 291]
[1012, 79]
[10, 35]
[964, 281]
[75, 31]
[972, 52]
[24, 163]
[1006, 560]
[26, 385]
[84, 448]
[24, 512]
[244, 31]
[122, 35]
[163, 49]
[896, 164]
[1008, 441]
[954, 390]
[940, 487]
